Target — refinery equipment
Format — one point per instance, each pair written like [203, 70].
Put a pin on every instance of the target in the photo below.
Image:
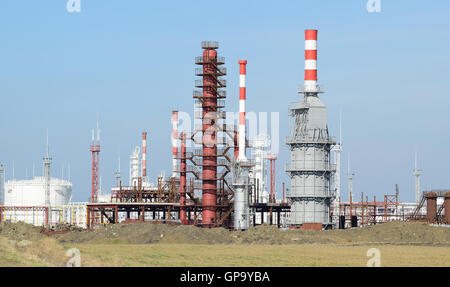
[260, 155]
[309, 169]
[34, 200]
[417, 173]
[241, 180]
[47, 162]
[2, 183]
[216, 182]
[33, 192]
[337, 149]
[134, 166]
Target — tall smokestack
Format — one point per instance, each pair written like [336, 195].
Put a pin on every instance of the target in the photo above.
[144, 156]
[174, 142]
[242, 90]
[310, 61]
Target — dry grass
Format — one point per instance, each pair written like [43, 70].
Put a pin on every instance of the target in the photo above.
[257, 255]
[41, 253]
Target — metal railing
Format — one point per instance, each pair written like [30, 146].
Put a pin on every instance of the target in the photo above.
[210, 44]
[200, 60]
[309, 139]
[221, 83]
[216, 115]
[199, 104]
[221, 94]
[311, 89]
[221, 71]
[310, 166]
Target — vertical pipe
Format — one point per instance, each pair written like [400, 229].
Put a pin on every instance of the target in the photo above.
[236, 146]
[183, 179]
[144, 156]
[242, 92]
[311, 60]
[174, 142]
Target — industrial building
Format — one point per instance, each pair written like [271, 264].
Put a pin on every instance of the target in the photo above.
[224, 178]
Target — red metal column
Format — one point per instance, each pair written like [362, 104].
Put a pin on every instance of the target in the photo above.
[431, 206]
[183, 179]
[272, 158]
[88, 218]
[447, 207]
[209, 142]
[95, 150]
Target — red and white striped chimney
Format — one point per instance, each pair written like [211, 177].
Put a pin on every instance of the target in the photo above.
[144, 156]
[310, 60]
[242, 90]
[174, 143]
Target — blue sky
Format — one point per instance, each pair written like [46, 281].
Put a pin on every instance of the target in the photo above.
[132, 63]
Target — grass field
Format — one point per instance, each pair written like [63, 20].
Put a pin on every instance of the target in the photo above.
[257, 255]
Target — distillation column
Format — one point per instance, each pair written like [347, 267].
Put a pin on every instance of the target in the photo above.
[174, 143]
[144, 156]
[241, 179]
[309, 168]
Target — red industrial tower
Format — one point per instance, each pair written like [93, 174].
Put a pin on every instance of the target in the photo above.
[211, 83]
[183, 179]
[95, 150]
[272, 158]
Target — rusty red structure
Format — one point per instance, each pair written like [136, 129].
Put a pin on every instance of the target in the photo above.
[431, 198]
[95, 150]
[211, 85]
[447, 207]
[272, 158]
[183, 179]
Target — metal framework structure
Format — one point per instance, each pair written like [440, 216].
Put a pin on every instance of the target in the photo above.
[272, 159]
[44, 209]
[215, 197]
[95, 151]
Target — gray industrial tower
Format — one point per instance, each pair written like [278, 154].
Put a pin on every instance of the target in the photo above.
[309, 168]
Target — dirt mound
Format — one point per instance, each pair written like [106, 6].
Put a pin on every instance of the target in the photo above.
[395, 232]
[145, 233]
[148, 233]
[20, 231]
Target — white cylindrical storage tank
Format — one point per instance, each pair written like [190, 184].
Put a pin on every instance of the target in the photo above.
[32, 192]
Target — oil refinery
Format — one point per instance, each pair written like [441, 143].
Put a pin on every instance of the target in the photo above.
[220, 176]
